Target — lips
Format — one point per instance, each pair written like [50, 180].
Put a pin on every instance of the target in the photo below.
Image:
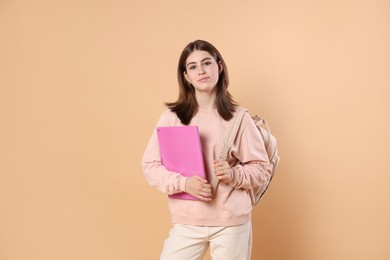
[203, 79]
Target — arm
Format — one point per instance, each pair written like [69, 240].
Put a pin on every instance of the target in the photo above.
[155, 173]
[167, 181]
[248, 166]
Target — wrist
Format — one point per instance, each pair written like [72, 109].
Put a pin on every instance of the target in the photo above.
[183, 183]
[231, 174]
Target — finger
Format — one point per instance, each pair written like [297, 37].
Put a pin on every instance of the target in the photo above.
[217, 173]
[220, 172]
[222, 176]
[205, 196]
[217, 164]
[202, 198]
[221, 166]
[205, 193]
[221, 169]
[206, 190]
[207, 186]
[201, 179]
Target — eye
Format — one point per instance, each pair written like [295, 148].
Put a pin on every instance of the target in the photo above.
[207, 63]
[191, 67]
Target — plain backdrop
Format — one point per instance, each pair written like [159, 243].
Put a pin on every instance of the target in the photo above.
[82, 84]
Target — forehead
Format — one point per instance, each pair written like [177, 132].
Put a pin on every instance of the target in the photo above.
[197, 56]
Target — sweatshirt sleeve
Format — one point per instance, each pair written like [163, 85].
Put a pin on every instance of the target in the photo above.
[155, 173]
[252, 167]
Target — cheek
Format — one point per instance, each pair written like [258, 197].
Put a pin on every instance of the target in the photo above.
[216, 71]
[187, 76]
[216, 74]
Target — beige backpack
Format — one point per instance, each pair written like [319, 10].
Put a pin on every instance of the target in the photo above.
[270, 146]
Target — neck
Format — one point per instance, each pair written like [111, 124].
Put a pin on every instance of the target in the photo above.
[206, 100]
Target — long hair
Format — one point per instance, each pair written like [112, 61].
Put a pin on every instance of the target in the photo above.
[186, 105]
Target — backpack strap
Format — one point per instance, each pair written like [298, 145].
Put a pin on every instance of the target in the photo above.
[231, 133]
[229, 140]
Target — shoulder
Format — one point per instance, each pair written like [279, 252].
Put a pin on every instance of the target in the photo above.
[248, 124]
[168, 118]
[167, 113]
[246, 117]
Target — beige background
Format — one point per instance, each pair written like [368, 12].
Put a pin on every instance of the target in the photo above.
[82, 84]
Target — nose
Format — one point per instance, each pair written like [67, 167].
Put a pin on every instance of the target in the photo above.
[201, 70]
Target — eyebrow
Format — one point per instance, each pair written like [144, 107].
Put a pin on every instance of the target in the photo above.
[193, 62]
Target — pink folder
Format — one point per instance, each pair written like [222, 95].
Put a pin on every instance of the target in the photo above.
[181, 152]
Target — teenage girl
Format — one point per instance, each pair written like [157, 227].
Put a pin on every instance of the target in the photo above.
[221, 220]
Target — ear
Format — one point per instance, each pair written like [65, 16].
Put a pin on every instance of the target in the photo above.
[220, 67]
[186, 77]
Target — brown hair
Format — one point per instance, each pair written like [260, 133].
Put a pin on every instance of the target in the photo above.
[186, 106]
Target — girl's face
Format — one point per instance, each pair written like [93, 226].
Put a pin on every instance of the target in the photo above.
[202, 71]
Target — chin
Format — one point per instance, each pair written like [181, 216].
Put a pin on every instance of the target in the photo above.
[205, 89]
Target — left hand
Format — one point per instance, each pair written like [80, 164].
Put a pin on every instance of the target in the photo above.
[223, 171]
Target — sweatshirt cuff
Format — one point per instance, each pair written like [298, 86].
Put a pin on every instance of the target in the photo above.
[233, 177]
[182, 183]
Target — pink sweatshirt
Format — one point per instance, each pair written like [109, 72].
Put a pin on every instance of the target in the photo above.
[231, 205]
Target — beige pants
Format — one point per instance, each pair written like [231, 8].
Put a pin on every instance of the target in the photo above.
[186, 242]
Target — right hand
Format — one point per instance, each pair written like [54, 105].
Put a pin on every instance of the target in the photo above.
[199, 188]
